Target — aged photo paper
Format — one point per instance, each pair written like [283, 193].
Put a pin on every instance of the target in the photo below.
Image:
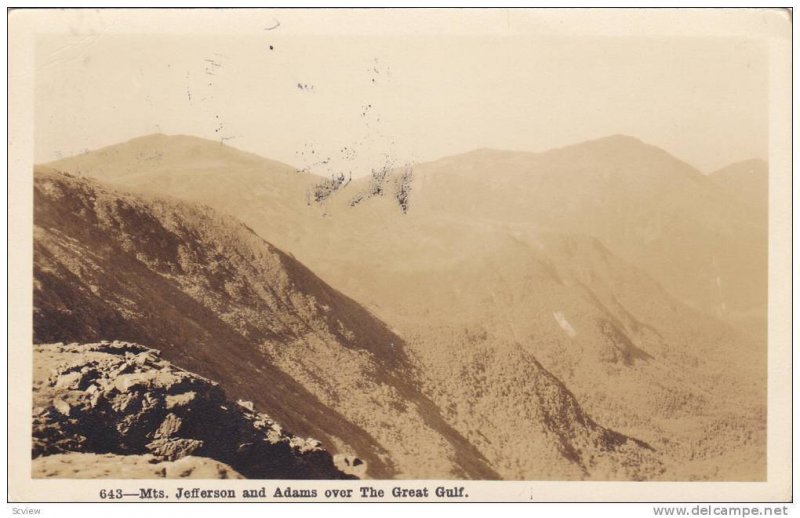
[406, 255]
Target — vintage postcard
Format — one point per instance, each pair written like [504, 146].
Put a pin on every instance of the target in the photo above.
[406, 255]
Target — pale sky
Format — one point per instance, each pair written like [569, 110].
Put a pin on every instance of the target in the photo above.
[357, 97]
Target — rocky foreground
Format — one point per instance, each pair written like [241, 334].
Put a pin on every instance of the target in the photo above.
[120, 410]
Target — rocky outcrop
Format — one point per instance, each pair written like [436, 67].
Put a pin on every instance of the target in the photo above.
[122, 398]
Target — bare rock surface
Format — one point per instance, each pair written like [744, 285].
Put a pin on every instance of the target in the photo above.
[121, 398]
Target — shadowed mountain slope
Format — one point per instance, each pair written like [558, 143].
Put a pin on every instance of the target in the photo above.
[218, 300]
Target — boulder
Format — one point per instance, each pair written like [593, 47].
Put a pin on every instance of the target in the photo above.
[123, 399]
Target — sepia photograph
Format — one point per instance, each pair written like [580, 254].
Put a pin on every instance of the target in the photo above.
[404, 250]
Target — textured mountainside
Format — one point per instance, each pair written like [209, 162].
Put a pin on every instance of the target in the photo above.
[475, 302]
[580, 261]
[216, 299]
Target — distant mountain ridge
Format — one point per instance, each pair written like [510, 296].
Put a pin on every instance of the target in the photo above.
[199, 170]
[646, 205]
[150, 151]
[748, 180]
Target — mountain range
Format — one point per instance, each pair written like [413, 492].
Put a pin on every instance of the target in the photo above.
[596, 311]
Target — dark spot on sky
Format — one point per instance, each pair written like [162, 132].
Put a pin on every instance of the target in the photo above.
[271, 47]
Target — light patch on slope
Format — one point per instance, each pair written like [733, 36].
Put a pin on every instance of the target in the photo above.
[564, 323]
[722, 307]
